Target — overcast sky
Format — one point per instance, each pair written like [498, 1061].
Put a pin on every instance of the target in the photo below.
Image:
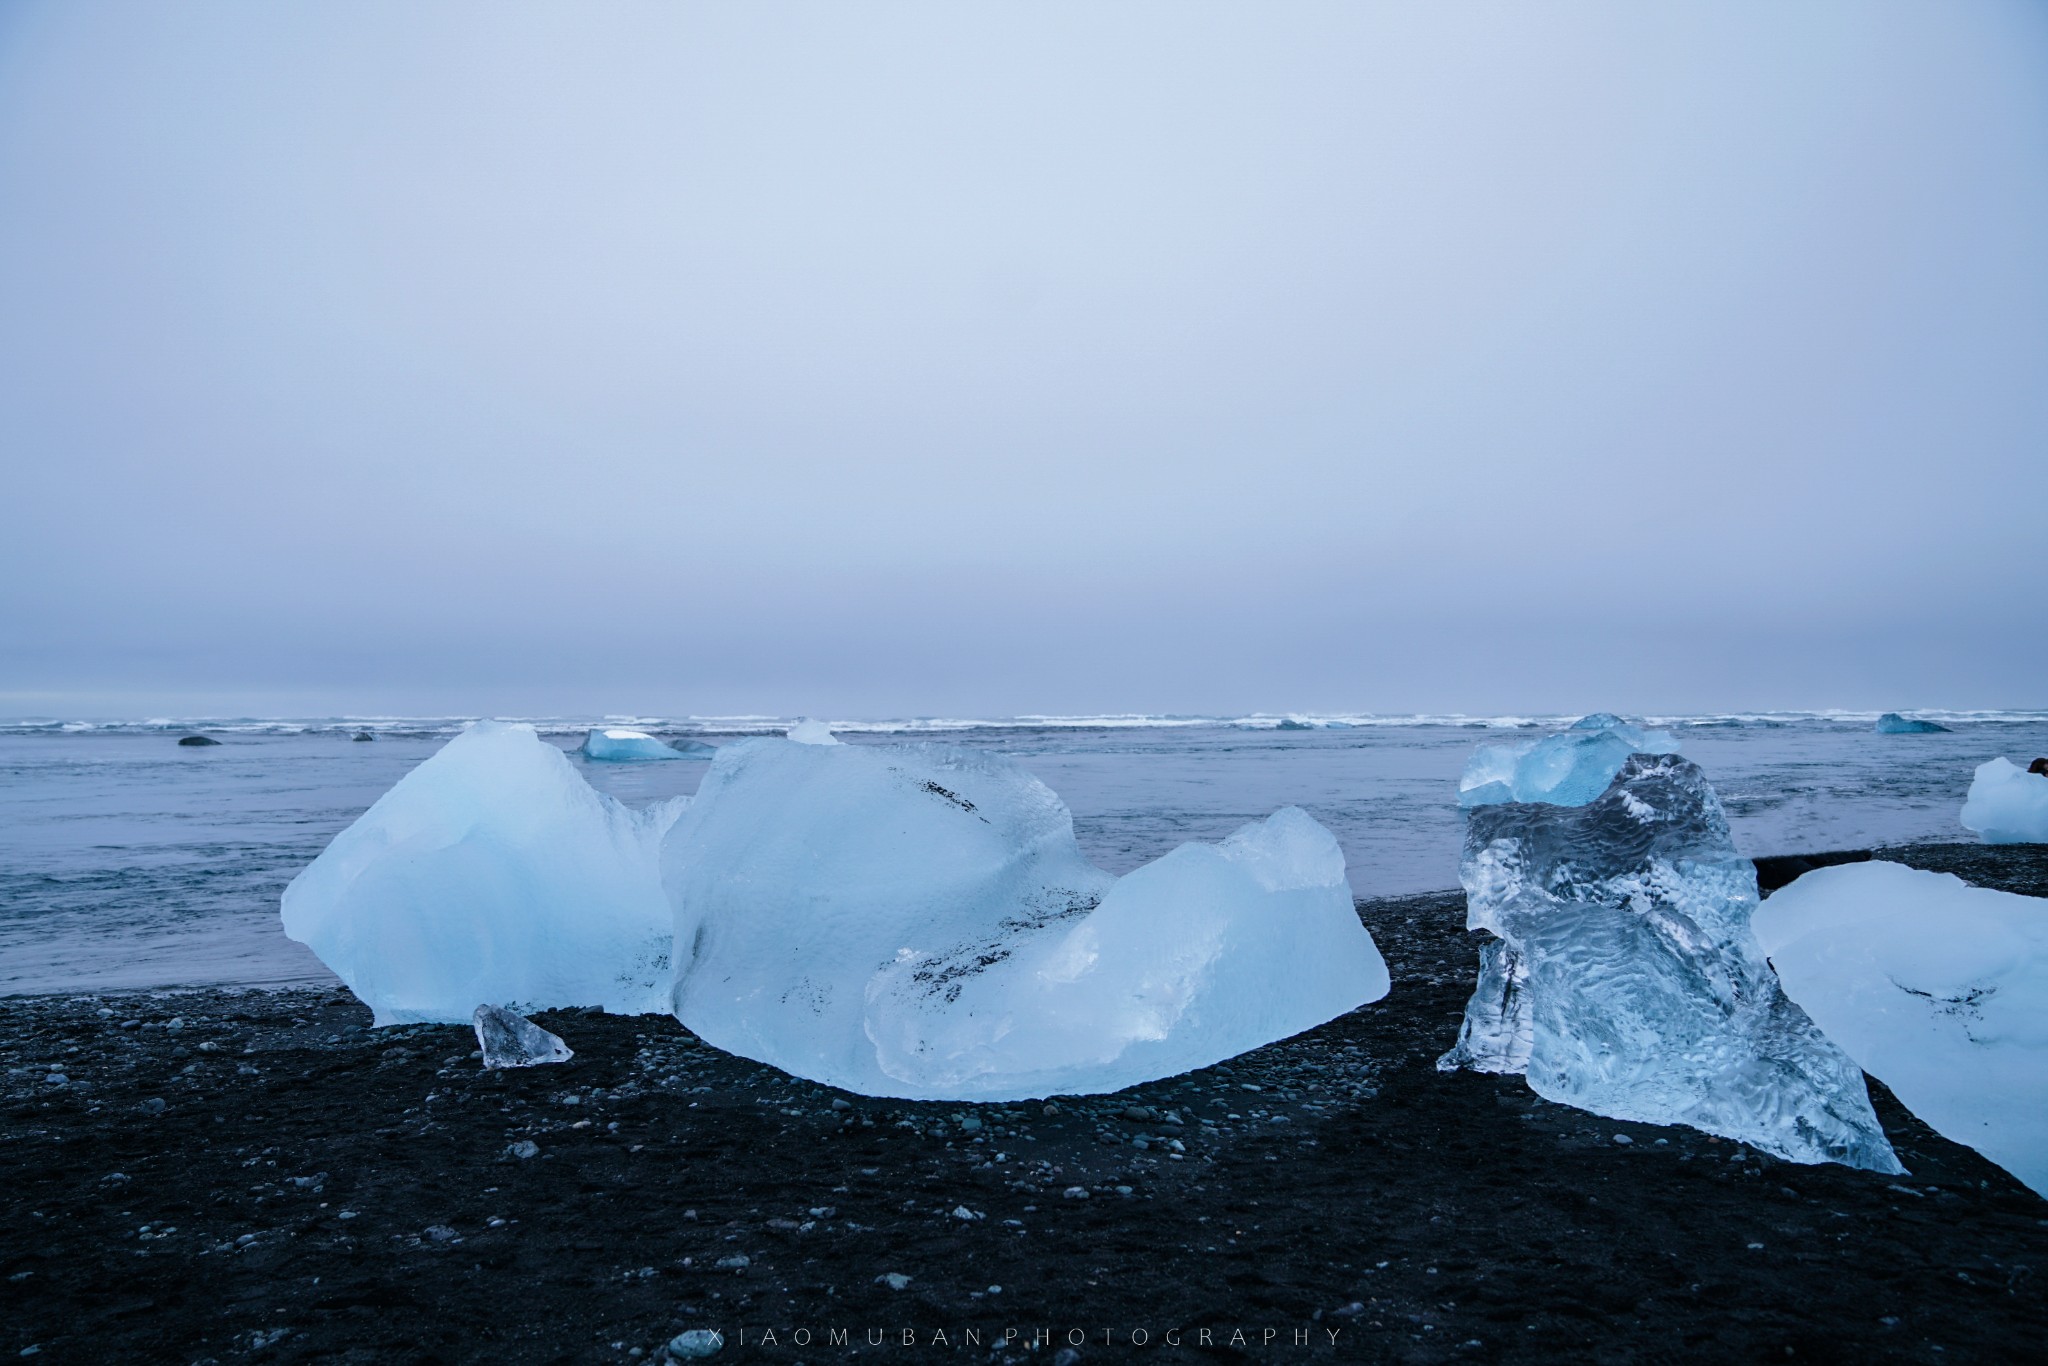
[886, 359]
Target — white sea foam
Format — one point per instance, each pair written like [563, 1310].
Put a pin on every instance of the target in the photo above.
[754, 724]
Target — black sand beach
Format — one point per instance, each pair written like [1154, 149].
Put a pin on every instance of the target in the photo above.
[231, 1177]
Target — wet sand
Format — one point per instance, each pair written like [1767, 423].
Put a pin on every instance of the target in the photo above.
[232, 1177]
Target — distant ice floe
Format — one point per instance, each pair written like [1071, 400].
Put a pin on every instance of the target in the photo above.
[2007, 804]
[809, 732]
[917, 921]
[1891, 723]
[1937, 988]
[1625, 979]
[492, 873]
[613, 744]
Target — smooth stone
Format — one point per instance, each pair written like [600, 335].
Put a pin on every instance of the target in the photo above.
[696, 1344]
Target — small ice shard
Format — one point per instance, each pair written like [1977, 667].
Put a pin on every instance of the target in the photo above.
[2007, 805]
[1625, 979]
[1567, 769]
[492, 872]
[509, 1039]
[1937, 988]
[1891, 723]
[809, 732]
[611, 744]
[917, 921]
[362, 735]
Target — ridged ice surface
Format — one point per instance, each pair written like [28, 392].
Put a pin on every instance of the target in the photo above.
[917, 921]
[1625, 979]
[492, 873]
[2007, 804]
[1938, 988]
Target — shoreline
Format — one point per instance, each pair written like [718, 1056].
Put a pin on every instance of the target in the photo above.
[273, 1181]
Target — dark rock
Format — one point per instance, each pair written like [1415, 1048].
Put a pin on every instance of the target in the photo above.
[362, 735]
[1779, 870]
[197, 741]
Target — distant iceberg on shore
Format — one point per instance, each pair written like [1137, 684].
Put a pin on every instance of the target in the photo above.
[918, 921]
[1891, 723]
[1624, 978]
[492, 874]
[611, 744]
[2007, 804]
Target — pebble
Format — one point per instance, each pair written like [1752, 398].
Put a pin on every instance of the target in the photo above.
[153, 1106]
[739, 1261]
[696, 1344]
[1623, 1139]
[439, 1233]
[964, 1213]
[523, 1149]
[1139, 1114]
[1075, 1192]
[841, 1103]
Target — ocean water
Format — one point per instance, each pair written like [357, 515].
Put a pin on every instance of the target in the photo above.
[128, 861]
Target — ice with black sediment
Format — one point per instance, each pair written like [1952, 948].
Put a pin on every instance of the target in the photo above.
[918, 921]
[1625, 979]
[509, 1039]
[1936, 987]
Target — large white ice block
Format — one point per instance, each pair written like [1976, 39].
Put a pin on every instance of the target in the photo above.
[1937, 988]
[1625, 979]
[1567, 769]
[917, 921]
[492, 873]
[2007, 805]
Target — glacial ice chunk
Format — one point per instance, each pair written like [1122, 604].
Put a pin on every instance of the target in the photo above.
[509, 1039]
[1625, 979]
[491, 872]
[1937, 988]
[1891, 723]
[2007, 805]
[809, 732]
[1567, 769]
[917, 921]
[614, 745]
